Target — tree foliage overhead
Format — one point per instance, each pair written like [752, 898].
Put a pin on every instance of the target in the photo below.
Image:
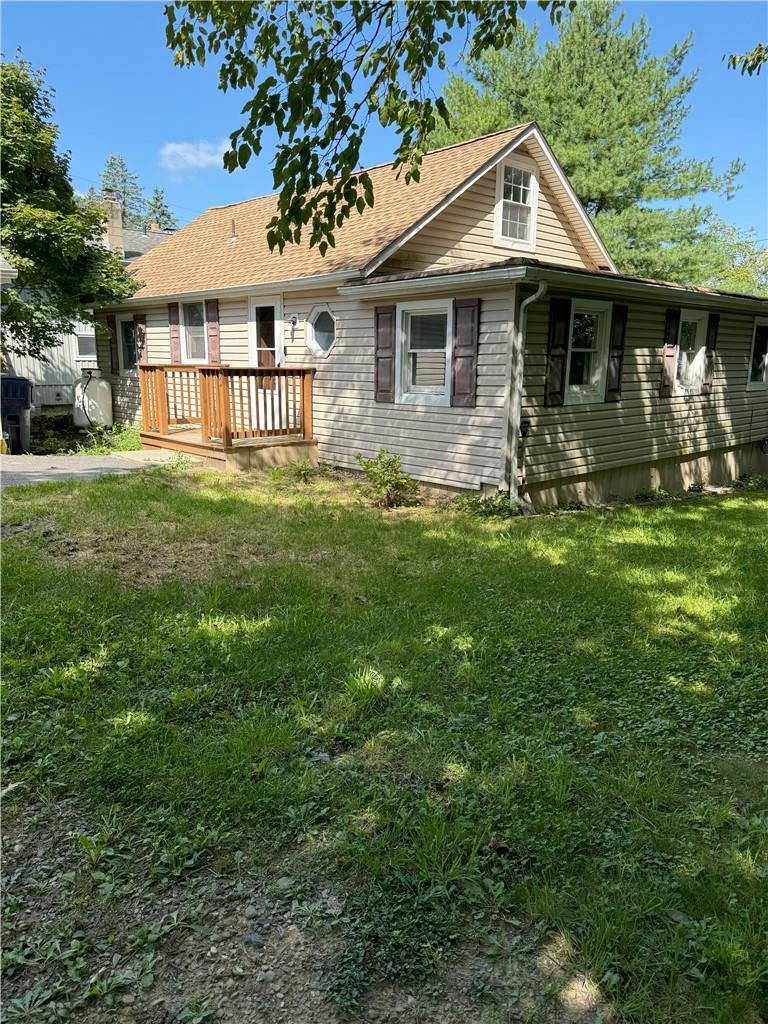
[613, 114]
[749, 63]
[319, 72]
[49, 234]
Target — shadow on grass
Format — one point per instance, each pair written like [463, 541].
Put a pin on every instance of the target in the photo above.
[471, 718]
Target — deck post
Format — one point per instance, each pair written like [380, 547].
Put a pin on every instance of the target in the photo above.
[144, 384]
[225, 414]
[306, 404]
[205, 404]
[161, 399]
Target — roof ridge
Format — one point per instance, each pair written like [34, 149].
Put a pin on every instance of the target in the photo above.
[384, 163]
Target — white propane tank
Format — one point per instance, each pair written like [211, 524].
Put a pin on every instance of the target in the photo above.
[93, 400]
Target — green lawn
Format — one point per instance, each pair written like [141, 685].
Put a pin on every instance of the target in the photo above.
[457, 721]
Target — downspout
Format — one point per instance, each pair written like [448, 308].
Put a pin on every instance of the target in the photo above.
[516, 390]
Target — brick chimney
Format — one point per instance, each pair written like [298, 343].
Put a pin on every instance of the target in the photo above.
[113, 230]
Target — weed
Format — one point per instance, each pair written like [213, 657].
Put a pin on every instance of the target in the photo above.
[498, 506]
[196, 1011]
[653, 494]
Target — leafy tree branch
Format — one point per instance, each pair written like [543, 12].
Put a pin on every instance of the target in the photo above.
[320, 73]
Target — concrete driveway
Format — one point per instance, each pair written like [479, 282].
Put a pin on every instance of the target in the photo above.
[43, 469]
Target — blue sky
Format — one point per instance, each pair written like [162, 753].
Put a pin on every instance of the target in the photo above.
[117, 91]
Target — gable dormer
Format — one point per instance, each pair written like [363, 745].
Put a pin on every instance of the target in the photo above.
[523, 205]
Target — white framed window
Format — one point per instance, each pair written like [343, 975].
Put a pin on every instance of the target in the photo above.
[691, 352]
[517, 200]
[758, 363]
[424, 353]
[321, 331]
[85, 346]
[194, 333]
[126, 346]
[587, 351]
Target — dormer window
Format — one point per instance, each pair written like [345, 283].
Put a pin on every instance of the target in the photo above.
[517, 190]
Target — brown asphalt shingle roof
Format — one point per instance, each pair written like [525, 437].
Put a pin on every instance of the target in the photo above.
[200, 256]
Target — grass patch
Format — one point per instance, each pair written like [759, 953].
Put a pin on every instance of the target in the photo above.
[457, 719]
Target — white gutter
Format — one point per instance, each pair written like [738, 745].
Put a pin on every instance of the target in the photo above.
[260, 288]
[432, 284]
[516, 390]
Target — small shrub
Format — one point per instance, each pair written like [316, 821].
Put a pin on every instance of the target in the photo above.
[388, 485]
[748, 482]
[497, 506]
[653, 494]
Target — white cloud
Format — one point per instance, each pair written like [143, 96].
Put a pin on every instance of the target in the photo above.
[192, 156]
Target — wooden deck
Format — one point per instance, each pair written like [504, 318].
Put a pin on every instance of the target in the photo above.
[216, 411]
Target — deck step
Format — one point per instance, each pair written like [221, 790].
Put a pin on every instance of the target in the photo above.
[208, 451]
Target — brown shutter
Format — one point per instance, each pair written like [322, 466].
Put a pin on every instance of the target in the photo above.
[616, 354]
[140, 333]
[713, 325]
[466, 335]
[384, 317]
[114, 360]
[214, 338]
[669, 353]
[173, 327]
[557, 350]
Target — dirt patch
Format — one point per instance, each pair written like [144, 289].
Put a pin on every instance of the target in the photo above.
[137, 560]
[235, 950]
[45, 527]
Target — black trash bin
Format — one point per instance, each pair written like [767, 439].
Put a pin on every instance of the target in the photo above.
[15, 403]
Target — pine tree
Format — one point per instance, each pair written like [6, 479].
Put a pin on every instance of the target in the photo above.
[157, 211]
[125, 185]
[613, 114]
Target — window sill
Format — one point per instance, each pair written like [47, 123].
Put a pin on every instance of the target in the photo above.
[410, 398]
[584, 397]
[754, 385]
[513, 243]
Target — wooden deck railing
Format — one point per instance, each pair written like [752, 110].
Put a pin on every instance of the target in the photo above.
[227, 403]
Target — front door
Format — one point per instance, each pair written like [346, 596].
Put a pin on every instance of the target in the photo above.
[266, 348]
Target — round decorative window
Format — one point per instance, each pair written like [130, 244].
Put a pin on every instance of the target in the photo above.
[321, 332]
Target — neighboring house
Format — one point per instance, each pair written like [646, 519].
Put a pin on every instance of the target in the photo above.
[474, 323]
[54, 377]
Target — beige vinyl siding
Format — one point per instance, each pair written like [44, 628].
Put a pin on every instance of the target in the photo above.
[463, 233]
[440, 445]
[643, 427]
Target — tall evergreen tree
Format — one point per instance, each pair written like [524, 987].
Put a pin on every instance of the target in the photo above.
[49, 234]
[116, 178]
[157, 211]
[613, 113]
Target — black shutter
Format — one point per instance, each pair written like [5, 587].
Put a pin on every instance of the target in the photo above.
[616, 354]
[466, 335]
[669, 353]
[384, 317]
[713, 325]
[114, 361]
[175, 332]
[214, 335]
[557, 350]
[140, 333]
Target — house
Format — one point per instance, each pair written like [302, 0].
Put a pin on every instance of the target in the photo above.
[54, 377]
[473, 322]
